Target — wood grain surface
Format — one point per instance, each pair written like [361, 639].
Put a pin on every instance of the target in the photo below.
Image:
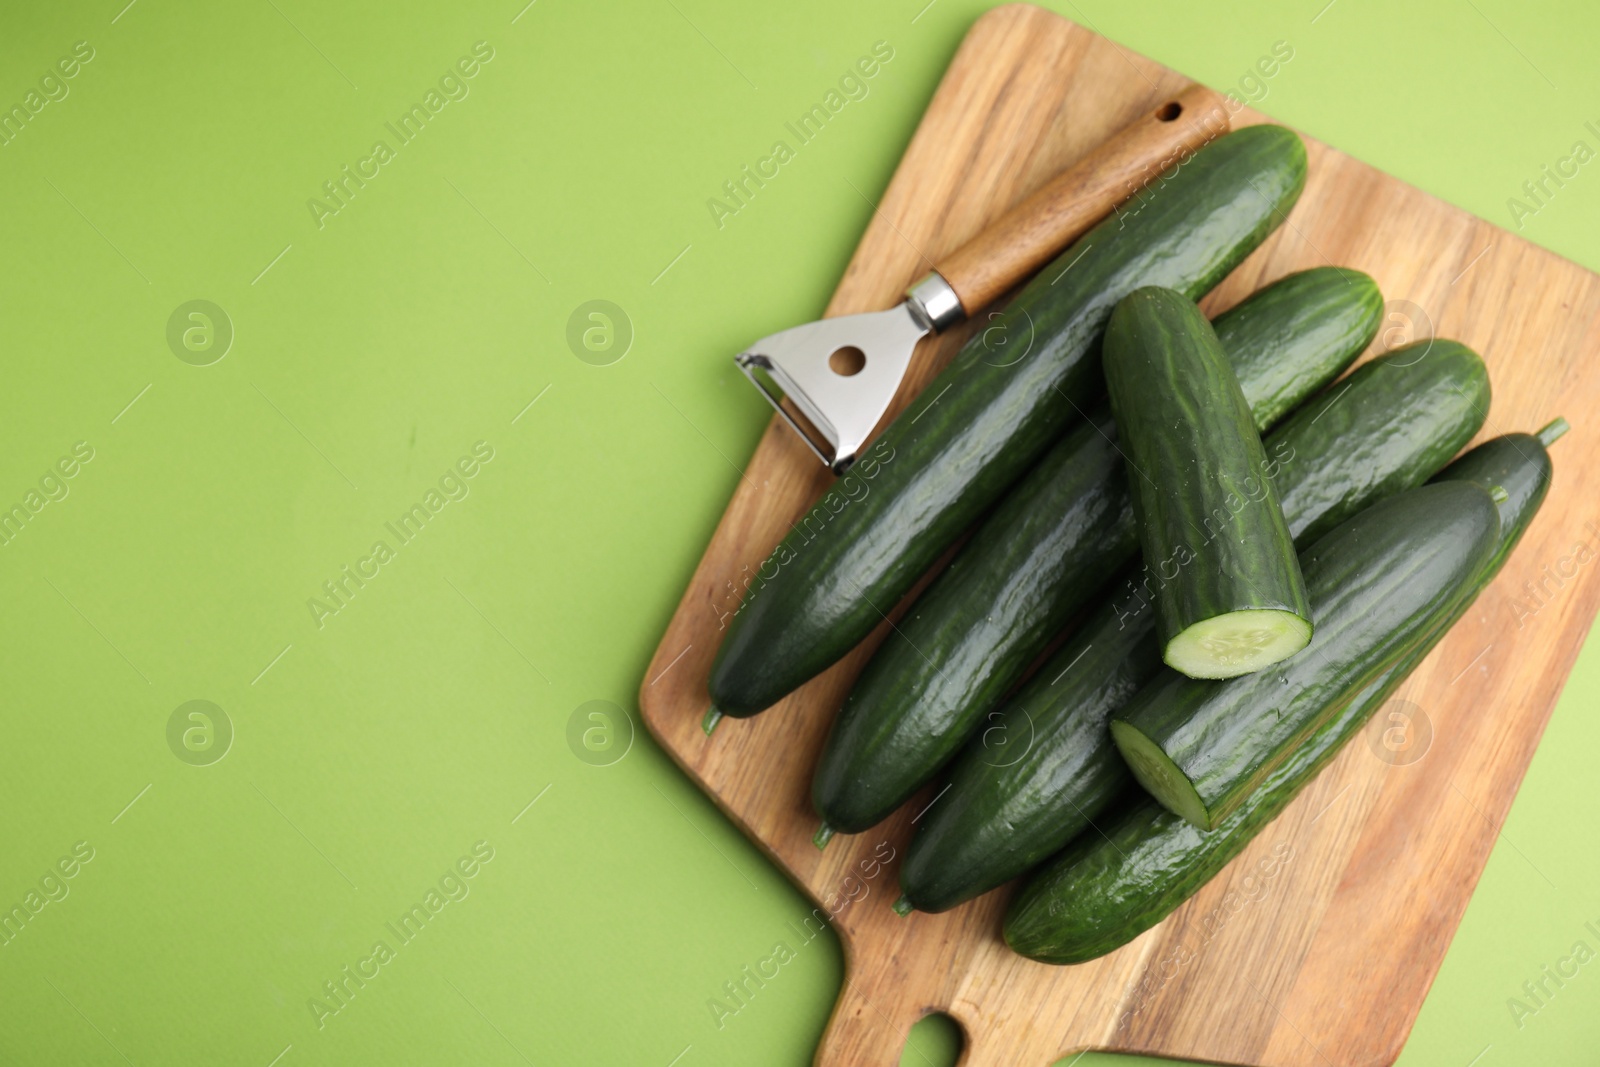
[1058, 212]
[1325, 962]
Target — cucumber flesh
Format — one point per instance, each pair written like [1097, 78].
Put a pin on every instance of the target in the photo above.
[1238, 642]
[1159, 776]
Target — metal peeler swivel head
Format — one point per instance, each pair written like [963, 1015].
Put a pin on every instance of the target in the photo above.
[842, 373]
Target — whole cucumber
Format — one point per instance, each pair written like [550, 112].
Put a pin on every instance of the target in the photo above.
[1045, 549]
[1044, 766]
[1104, 891]
[987, 417]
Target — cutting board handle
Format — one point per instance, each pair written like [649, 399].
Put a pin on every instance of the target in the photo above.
[1032, 233]
[872, 1032]
[862, 1032]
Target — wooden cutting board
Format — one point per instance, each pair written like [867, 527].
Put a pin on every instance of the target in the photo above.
[1324, 961]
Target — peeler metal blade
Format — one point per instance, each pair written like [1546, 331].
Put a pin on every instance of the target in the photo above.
[844, 398]
[842, 407]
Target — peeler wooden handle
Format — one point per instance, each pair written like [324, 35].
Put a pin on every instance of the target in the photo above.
[840, 374]
[1030, 234]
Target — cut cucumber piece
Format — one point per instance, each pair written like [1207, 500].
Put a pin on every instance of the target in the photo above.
[1219, 557]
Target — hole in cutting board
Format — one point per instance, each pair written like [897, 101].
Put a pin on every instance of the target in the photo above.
[936, 1040]
[847, 361]
[1170, 111]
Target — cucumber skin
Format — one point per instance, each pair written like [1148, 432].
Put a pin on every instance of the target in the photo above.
[1520, 464]
[950, 457]
[1044, 550]
[1333, 311]
[1004, 813]
[1041, 771]
[1377, 583]
[1192, 449]
[1460, 382]
[944, 664]
[1103, 892]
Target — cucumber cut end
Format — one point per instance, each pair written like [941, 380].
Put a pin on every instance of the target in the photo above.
[823, 835]
[903, 906]
[1159, 776]
[1238, 642]
[713, 716]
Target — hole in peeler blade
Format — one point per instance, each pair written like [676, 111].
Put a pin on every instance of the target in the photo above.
[1169, 111]
[847, 362]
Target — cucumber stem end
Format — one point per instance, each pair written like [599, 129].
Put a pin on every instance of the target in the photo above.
[903, 907]
[1552, 433]
[713, 716]
[823, 835]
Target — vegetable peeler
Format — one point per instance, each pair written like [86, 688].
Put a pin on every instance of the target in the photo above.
[842, 373]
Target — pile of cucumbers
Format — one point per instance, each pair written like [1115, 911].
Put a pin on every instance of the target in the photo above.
[1200, 557]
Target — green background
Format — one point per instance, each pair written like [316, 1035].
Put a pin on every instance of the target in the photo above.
[370, 354]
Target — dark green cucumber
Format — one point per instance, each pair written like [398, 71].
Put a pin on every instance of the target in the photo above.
[1044, 767]
[1105, 890]
[1289, 339]
[1518, 463]
[1045, 549]
[1041, 770]
[1460, 382]
[1378, 583]
[1234, 601]
[985, 419]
